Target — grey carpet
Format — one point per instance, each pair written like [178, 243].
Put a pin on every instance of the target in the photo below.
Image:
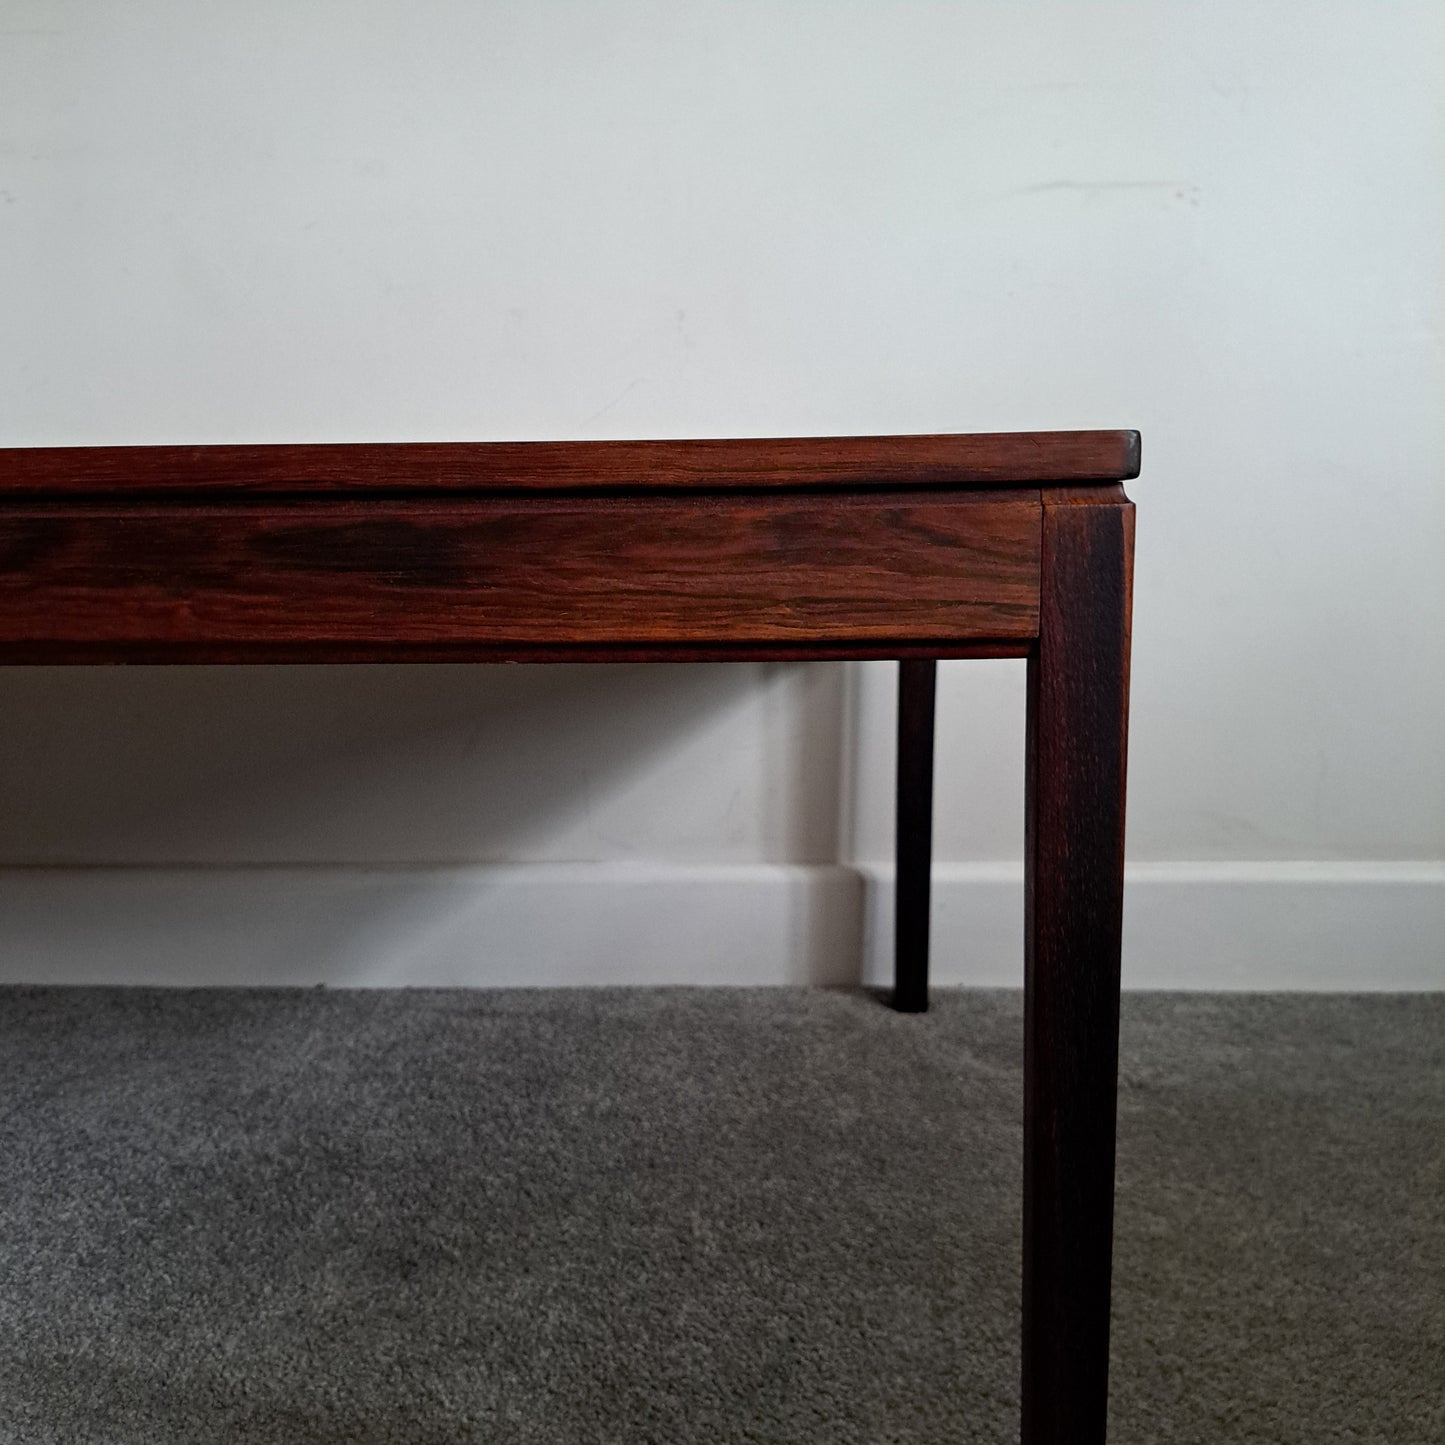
[687, 1216]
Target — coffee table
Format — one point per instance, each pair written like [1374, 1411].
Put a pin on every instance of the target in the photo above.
[907, 547]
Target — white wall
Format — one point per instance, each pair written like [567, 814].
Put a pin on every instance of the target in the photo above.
[1222, 224]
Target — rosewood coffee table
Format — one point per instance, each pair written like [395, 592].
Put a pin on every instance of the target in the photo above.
[912, 547]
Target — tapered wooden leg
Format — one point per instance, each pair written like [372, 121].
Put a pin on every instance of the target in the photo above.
[1077, 736]
[914, 837]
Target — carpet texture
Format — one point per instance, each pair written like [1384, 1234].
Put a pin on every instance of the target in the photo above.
[423, 1218]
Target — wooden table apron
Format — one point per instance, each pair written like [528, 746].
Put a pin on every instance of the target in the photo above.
[913, 548]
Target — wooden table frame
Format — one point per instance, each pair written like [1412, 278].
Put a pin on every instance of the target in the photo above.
[914, 547]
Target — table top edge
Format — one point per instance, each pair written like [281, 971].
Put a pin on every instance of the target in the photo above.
[961, 460]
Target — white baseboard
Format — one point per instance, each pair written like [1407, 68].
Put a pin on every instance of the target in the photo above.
[1375, 927]
[1188, 926]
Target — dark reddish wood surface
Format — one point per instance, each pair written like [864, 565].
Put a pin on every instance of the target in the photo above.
[992, 459]
[1078, 691]
[788, 569]
[248, 653]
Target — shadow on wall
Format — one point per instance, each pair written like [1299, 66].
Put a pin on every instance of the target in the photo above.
[231, 770]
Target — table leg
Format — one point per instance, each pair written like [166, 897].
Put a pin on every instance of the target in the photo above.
[914, 834]
[1078, 681]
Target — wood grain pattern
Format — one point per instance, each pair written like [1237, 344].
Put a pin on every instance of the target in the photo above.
[1004, 459]
[1078, 691]
[528, 572]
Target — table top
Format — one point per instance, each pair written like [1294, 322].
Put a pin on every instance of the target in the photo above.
[982, 460]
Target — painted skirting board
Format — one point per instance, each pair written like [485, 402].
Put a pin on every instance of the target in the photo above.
[1187, 926]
